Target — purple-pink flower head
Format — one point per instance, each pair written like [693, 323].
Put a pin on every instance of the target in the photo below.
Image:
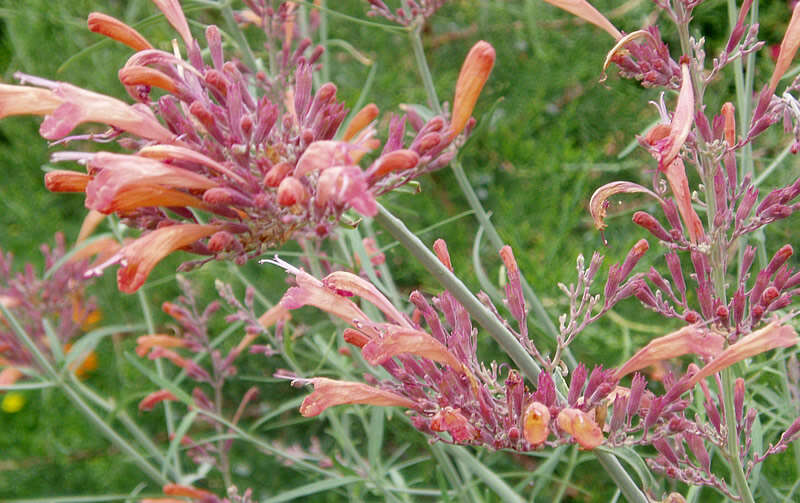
[221, 148]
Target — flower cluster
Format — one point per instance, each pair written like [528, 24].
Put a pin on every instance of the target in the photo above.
[227, 161]
[193, 338]
[58, 296]
[411, 12]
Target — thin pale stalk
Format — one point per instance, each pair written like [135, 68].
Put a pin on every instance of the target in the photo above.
[732, 452]
[487, 476]
[539, 313]
[488, 321]
[562, 486]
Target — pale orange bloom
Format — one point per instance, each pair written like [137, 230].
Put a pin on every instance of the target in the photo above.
[174, 13]
[139, 257]
[25, 100]
[688, 340]
[789, 46]
[587, 12]
[156, 397]
[187, 491]
[80, 105]
[10, 375]
[136, 75]
[328, 393]
[408, 341]
[115, 29]
[146, 342]
[64, 180]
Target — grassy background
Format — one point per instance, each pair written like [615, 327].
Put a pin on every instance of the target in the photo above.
[549, 134]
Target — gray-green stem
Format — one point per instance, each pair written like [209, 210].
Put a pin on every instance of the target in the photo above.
[718, 268]
[488, 321]
[539, 312]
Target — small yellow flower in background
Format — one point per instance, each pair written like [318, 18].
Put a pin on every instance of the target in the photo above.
[12, 402]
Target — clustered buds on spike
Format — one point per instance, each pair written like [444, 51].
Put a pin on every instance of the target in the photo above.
[58, 297]
[255, 156]
[193, 339]
[410, 12]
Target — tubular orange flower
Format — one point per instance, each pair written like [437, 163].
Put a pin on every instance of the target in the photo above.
[26, 100]
[328, 393]
[453, 422]
[598, 204]
[408, 341]
[136, 75]
[789, 46]
[587, 12]
[115, 29]
[145, 342]
[348, 282]
[474, 74]
[174, 13]
[688, 340]
[188, 491]
[63, 180]
[141, 256]
[770, 337]
[729, 113]
[79, 106]
[581, 426]
[147, 403]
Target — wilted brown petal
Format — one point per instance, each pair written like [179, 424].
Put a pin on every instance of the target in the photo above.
[598, 204]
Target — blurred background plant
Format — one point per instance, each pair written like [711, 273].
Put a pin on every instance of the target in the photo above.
[545, 139]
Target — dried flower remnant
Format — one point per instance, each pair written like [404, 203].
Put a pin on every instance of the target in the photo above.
[409, 13]
[251, 159]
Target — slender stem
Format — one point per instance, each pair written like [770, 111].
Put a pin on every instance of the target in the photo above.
[424, 71]
[323, 40]
[540, 315]
[482, 315]
[488, 476]
[733, 448]
[507, 341]
[112, 435]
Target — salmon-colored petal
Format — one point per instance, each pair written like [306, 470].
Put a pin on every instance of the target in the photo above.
[139, 257]
[90, 223]
[788, 49]
[688, 340]
[26, 100]
[174, 13]
[679, 184]
[329, 392]
[115, 29]
[770, 337]
[64, 180]
[408, 341]
[587, 12]
[187, 491]
[351, 284]
[146, 342]
[455, 423]
[360, 121]
[155, 398]
[682, 120]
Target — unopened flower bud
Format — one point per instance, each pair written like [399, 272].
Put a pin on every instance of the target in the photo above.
[360, 121]
[396, 160]
[738, 399]
[276, 174]
[474, 74]
[291, 191]
[646, 220]
[440, 248]
[728, 112]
